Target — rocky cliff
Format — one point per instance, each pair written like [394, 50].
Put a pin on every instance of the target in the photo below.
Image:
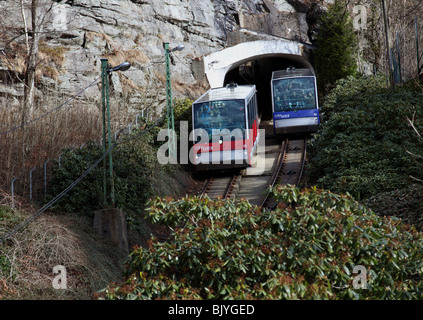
[77, 33]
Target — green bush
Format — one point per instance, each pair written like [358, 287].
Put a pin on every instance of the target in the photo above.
[306, 248]
[86, 195]
[133, 162]
[362, 147]
[406, 204]
[350, 91]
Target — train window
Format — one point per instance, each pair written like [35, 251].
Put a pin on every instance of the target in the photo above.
[250, 122]
[294, 94]
[216, 116]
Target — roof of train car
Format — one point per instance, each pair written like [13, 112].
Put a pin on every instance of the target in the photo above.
[292, 73]
[227, 93]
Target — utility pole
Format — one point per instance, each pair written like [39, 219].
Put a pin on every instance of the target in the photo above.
[170, 117]
[106, 112]
[105, 71]
[399, 60]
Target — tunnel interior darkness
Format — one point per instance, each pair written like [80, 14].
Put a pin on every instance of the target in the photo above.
[259, 72]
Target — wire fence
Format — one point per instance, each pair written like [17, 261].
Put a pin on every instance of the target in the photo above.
[38, 212]
[33, 184]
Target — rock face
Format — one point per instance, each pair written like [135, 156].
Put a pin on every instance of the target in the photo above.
[77, 33]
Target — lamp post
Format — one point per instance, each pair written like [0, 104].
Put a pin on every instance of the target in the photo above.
[169, 103]
[105, 71]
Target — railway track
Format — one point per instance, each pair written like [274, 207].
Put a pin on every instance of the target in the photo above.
[223, 186]
[290, 167]
[282, 162]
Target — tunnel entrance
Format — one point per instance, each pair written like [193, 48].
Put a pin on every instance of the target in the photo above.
[253, 63]
[259, 72]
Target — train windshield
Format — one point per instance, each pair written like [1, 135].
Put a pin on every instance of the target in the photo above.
[220, 116]
[294, 94]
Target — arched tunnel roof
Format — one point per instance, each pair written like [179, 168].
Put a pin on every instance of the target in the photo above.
[219, 63]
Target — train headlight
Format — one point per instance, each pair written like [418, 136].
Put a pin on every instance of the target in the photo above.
[220, 141]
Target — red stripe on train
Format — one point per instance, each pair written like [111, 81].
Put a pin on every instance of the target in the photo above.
[216, 146]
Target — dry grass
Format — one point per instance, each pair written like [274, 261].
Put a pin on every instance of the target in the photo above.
[28, 259]
[28, 147]
[135, 57]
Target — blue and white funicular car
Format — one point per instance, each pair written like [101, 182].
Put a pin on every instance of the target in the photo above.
[294, 101]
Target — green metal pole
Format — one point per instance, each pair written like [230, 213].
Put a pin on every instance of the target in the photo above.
[103, 108]
[109, 129]
[170, 118]
[112, 184]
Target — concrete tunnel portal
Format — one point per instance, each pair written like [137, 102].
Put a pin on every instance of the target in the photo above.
[253, 63]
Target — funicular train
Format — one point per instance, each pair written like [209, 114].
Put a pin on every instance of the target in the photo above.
[226, 121]
[294, 101]
[225, 127]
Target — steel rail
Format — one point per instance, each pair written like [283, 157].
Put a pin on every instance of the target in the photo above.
[303, 162]
[278, 168]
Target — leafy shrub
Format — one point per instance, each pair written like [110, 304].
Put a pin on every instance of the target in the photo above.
[406, 204]
[305, 249]
[86, 195]
[350, 91]
[132, 164]
[362, 147]
[181, 112]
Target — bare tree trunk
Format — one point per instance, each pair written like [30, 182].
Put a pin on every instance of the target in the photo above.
[31, 64]
[25, 27]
